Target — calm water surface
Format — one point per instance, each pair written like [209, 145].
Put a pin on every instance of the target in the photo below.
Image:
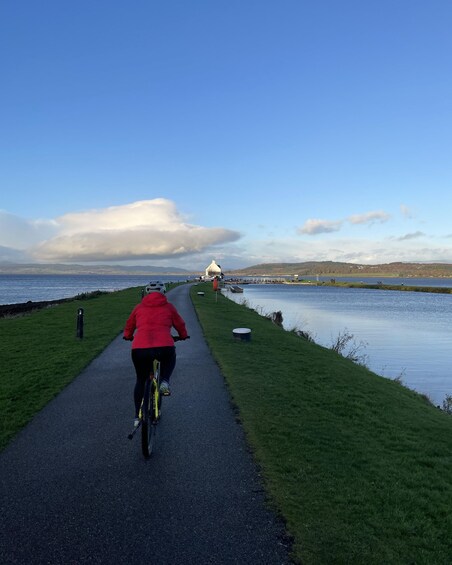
[405, 334]
[15, 289]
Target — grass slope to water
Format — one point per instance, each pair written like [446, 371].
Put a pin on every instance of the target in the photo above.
[399, 287]
[40, 354]
[358, 465]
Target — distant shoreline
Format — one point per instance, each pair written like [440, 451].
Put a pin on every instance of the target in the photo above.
[333, 269]
[96, 270]
[26, 307]
[355, 275]
[302, 270]
[338, 275]
[344, 284]
[90, 272]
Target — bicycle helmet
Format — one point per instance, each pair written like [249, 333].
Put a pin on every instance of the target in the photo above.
[155, 286]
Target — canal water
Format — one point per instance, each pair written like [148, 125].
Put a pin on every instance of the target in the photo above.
[405, 335]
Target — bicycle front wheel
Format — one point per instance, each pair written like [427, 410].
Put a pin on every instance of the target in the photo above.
[148, 424]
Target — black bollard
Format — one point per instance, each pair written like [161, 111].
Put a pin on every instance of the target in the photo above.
[80, 323]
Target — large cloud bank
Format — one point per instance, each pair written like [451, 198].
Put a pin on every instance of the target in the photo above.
[149, 229]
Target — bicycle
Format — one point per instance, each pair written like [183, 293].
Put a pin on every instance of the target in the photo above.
[151, 409]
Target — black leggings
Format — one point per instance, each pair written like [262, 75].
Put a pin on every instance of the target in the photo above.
[143, 360]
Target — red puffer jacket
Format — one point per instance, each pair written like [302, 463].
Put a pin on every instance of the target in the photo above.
[153, 319]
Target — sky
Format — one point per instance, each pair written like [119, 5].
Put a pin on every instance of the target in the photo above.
[245, 131]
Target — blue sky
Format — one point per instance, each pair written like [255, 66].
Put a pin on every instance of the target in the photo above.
[248, 131]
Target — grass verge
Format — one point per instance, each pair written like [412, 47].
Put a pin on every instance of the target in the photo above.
[358, 465]
[40, 354]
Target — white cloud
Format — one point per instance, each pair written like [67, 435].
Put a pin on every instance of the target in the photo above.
[314, 227]
[20, 233]
[155, 230]
[159, 213]
[369, 217]
[346, 249]
[413, 235]
[149, 229]
[11, 255]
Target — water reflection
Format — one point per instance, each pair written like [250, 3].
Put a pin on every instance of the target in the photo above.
[407, 333]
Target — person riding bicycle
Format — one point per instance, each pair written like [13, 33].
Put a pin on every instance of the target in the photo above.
[149, 328]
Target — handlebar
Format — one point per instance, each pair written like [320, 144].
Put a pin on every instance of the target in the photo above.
[178, 338]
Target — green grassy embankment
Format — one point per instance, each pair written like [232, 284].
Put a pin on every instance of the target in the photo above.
[358, 465]
[40, 354]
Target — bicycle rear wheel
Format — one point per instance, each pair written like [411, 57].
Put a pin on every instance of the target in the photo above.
[148, 424]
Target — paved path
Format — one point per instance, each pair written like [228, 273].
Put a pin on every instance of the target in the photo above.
[75, 490]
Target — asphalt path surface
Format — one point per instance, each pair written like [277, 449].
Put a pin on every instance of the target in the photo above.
[75, 490]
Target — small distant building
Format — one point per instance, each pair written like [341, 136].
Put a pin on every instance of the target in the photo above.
[213, 270]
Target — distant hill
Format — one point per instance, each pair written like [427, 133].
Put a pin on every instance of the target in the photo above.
[58, 269]
[332, 268]
[305, 269]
